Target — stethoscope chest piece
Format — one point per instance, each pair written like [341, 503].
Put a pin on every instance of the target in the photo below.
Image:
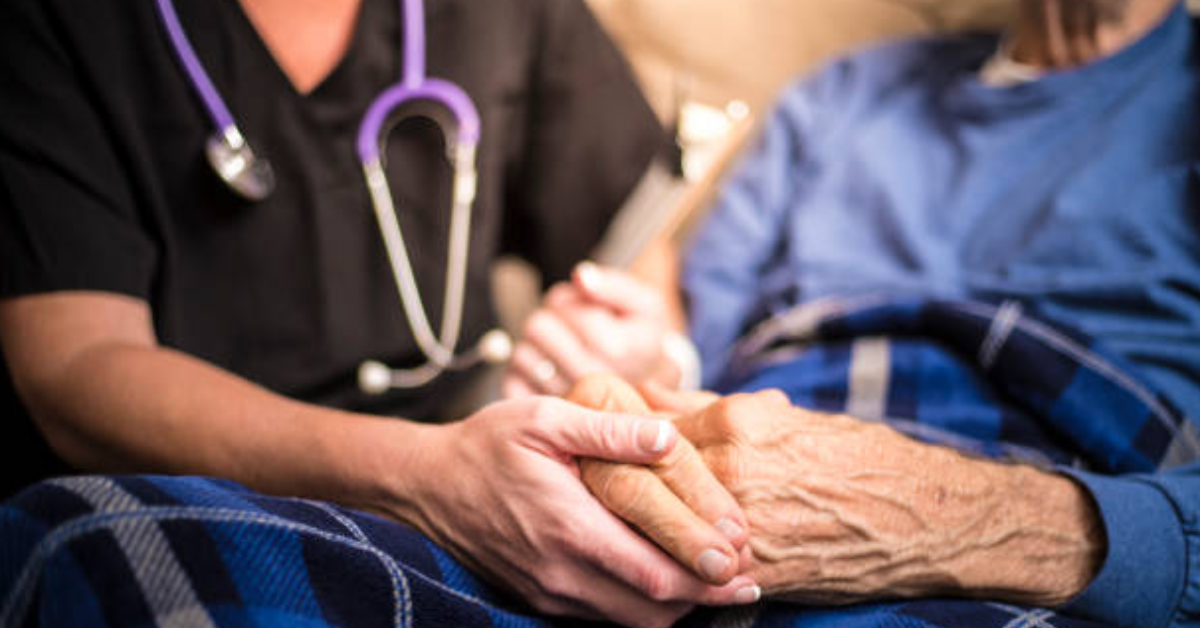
[236, 164]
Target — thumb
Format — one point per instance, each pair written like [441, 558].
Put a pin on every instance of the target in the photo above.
[615, 289]
[578, 431]
[663, 399]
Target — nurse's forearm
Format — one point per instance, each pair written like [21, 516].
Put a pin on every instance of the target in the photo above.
[152, 409]
[109, 399]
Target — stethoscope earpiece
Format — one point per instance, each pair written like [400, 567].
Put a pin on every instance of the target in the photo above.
[496, 347]
[374, 377]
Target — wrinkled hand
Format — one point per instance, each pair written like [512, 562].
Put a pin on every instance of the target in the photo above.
[841, 510]
[501, 492]
[602, 321]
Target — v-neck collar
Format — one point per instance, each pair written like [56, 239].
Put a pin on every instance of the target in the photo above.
[366, 17]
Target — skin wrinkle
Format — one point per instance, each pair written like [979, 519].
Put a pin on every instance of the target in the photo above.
[885, 530]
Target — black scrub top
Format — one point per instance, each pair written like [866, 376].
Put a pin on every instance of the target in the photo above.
[104, 183]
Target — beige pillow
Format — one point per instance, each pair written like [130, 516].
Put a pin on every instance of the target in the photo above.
[715, 51]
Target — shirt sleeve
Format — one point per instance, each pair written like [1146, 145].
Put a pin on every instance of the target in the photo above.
[67, 217]
[1151, 575]
[591, 137]
[742, 235]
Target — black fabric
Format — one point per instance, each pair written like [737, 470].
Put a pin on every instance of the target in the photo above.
[104, 184]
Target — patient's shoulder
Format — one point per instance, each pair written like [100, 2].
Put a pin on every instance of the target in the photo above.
[859, 82]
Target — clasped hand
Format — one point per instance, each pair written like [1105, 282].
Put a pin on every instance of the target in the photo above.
[840, 510]
[501, 491]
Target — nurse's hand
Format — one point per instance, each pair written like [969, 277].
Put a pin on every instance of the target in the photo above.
[602, 321]
[501, 491]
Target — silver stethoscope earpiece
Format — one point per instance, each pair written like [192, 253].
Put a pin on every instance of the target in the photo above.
[252, 178]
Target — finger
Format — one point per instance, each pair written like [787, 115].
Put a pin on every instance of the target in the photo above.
[683, 471]
[638, 496]
[546, 331]
[1079, 28]
[564, 295]
[641, 565]
[537, 370]
[515, 386]
[1056, 44]
[608, 392]
[690, 484]
[577, 431]
[663, 399]
[598, 328]
[616, 289]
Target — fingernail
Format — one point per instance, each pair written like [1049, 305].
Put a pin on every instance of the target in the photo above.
[588, 275]
[728, 528]
[712, 564]
[653, 436]
[747, 595]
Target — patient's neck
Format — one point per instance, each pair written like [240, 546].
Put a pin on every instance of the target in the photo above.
[1062, 34]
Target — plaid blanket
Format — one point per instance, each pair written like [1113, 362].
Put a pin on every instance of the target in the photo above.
[127, 552]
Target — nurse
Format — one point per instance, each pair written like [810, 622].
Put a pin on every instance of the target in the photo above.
[153, 320]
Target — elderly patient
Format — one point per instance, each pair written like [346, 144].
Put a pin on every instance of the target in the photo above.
[986, 244]
[971, 267]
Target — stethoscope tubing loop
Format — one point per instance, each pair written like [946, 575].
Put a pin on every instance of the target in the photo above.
[235, 162]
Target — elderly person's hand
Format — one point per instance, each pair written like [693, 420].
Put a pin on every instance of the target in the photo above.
[842, 510]
[674, 500]
[603, 321]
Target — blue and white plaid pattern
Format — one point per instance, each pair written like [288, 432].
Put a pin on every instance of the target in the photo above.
[992, 379]
[126, 552]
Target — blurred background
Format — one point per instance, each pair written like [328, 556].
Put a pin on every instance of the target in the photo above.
[711, 70]
[725, 50]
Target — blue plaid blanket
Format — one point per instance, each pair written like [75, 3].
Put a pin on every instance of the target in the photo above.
[127, 552]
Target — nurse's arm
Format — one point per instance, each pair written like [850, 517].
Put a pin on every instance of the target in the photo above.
[500, 490]
[108, 398]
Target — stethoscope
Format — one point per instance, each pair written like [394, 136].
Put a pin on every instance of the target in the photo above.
[252, 177]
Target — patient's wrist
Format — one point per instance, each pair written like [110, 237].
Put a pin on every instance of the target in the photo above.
[1044, 548]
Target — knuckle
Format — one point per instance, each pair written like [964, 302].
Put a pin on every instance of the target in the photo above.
[656, 585]
[775, 396]
[604, 431]
[723, 417]
[557, 582]
[725, 465]
[621, 488]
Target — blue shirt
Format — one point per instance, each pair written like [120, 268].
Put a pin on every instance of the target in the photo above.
[897, 171]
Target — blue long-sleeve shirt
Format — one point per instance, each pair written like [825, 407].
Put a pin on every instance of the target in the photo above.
[897, 170]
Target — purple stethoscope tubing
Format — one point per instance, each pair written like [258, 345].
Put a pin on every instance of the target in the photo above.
[212, 100]
[414, 85]
[237, 165]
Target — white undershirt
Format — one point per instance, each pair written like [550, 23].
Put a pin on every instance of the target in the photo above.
[1002, 71]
